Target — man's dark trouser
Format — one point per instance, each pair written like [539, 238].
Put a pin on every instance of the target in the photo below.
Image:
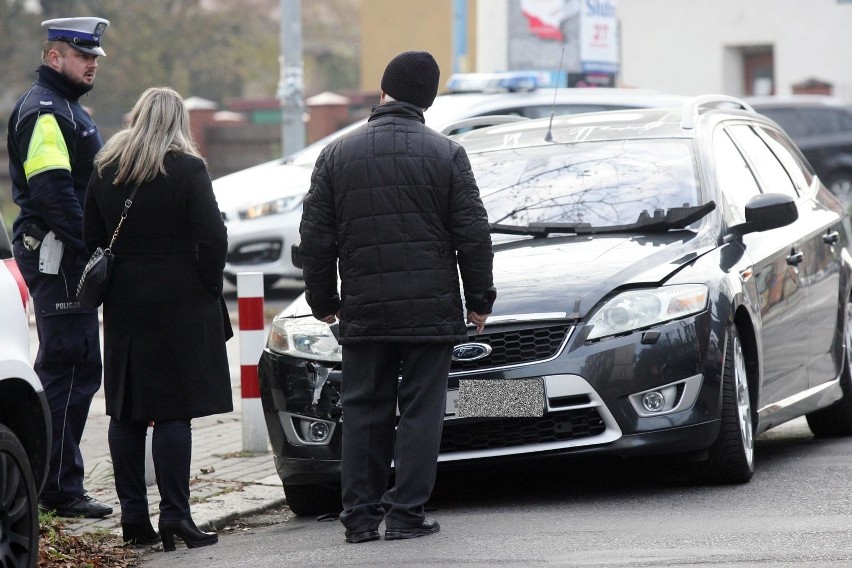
[68, 363]
[371, 390]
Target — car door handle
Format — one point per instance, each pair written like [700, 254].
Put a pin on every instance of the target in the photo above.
[795, 258]
[831, 238]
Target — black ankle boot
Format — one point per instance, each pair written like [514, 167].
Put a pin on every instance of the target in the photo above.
[141, 534]
[186, 530]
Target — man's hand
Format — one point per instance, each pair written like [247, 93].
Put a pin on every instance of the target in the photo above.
[330, 318]
[478, 320]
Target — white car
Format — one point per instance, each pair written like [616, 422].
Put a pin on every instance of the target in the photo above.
[24, 421]
[262, 205]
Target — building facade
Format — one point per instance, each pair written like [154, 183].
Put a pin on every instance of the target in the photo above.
[737, 47]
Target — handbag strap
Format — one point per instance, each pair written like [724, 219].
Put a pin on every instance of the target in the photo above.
[127, 203]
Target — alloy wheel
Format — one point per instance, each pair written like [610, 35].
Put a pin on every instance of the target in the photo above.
[743, 401]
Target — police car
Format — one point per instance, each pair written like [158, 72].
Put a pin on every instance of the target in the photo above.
[24, 420]
[262, 205]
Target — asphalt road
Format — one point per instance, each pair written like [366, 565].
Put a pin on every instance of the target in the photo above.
[795, 512]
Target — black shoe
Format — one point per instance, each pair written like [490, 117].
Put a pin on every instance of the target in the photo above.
[139, 534]
[186, 530]
[81, 506]
[361, 536]
[426, 527]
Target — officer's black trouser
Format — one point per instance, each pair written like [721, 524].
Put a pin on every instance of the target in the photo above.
[68, 363]
[371, 390]
[172, 453]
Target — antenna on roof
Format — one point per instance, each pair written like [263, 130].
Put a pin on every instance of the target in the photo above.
[549, 136]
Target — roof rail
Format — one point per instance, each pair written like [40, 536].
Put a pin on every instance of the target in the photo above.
[482, 121]
[692, 107]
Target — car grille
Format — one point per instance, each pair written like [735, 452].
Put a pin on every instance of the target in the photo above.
[256, 252]
[513, 347]
[465, 436]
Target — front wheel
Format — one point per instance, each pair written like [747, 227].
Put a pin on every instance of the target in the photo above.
[307, 500]
[836, 420]
[731, 457]
[18, 504]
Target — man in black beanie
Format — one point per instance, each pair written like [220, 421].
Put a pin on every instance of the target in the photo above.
[395, 206]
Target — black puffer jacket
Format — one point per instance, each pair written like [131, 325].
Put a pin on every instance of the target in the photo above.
[396, 204]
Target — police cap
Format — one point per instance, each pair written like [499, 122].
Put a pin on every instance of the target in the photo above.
[83, 34]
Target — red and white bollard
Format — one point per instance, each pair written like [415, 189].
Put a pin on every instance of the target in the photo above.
[252, 342]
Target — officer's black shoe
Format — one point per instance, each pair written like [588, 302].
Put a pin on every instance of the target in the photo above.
[426, 527]
[80, 506]
[355, 537]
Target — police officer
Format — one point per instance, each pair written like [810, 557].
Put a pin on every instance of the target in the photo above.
[52, 141]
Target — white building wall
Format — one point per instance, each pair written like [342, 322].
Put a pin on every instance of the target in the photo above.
[491, 35]
[691, 46]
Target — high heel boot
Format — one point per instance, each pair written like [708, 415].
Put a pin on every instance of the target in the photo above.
[139, 534]
[186, 530]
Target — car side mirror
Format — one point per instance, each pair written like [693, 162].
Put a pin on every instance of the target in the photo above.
[296, 255]
[764, 212]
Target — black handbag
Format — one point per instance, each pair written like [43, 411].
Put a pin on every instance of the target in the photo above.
[92, 288]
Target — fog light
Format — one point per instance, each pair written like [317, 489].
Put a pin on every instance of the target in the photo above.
[318, 431]
[653, 401]
[315, 431]
[306, 430]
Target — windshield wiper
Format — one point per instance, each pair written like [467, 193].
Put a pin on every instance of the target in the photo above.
[674, 218]
[537, 230]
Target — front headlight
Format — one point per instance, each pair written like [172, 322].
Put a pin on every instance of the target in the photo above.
[274, 207]
[305, 338]
[636, 309]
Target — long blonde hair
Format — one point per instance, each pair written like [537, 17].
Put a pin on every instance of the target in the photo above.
[159, 124]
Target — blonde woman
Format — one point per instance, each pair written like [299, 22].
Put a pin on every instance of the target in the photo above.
[164, 339]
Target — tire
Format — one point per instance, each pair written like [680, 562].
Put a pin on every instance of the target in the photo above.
[836, 420]
[731, 457]
[310, 500]
[19, 530]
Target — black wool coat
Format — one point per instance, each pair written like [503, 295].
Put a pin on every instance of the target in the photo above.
[164, 337]
[395, 207]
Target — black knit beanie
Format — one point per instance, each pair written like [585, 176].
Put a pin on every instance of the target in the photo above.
[412, 77]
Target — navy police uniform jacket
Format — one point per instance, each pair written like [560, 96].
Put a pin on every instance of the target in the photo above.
[395, 207]
[52, 142]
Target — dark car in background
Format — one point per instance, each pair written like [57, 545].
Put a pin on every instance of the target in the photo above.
[24, 421]
[671, 282]
[822, 129]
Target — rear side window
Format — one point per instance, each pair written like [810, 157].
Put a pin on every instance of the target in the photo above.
[772, 176]
[798, 168]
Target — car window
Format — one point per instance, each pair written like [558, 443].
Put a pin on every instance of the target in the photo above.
[798, 168]
[734, 178]
[544, 111]
[599, 183]
[790, 119]
[822, 120]
[771, 175]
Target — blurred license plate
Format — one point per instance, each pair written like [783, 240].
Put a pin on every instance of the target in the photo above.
[501, 398]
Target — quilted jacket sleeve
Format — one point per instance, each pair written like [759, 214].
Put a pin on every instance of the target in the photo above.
[471, 234]
[318, 233]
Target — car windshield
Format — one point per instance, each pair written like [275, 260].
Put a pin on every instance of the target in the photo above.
[593, 184]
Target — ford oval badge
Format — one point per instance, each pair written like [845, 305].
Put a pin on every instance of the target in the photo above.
[471, 351]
